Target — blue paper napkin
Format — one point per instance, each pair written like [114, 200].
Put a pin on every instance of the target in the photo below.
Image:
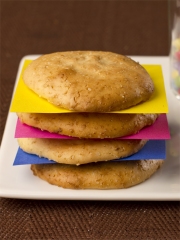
[154, 149]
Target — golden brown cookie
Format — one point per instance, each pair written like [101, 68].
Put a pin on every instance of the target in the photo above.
[89, 81]
[102, 175]
[80, 151]
[89, 125]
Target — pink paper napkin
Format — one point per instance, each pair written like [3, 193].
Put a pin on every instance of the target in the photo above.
[159, 130]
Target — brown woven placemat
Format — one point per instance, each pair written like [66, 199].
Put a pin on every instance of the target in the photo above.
[38, 27]
[24, 219]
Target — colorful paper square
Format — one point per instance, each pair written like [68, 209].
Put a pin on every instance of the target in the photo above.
[25, 100]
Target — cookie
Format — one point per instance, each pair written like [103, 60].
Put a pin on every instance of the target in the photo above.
[89, 125]
[102, 175]
[80, 151]
[89, 81]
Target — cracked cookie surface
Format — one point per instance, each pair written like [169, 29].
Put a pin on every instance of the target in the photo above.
[89, 125]
[102, 175]
[89, 81]
[80, 151]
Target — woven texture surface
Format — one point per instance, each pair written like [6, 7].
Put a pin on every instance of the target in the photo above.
[23, 219]
[38, 27]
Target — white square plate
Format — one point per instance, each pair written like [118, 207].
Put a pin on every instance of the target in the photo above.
[19, 182]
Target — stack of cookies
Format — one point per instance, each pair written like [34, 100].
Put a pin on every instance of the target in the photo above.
[93, 86]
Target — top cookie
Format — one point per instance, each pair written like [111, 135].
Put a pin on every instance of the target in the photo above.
[89, 81]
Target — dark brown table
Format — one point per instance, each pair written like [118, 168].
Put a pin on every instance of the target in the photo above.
[39, 27]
